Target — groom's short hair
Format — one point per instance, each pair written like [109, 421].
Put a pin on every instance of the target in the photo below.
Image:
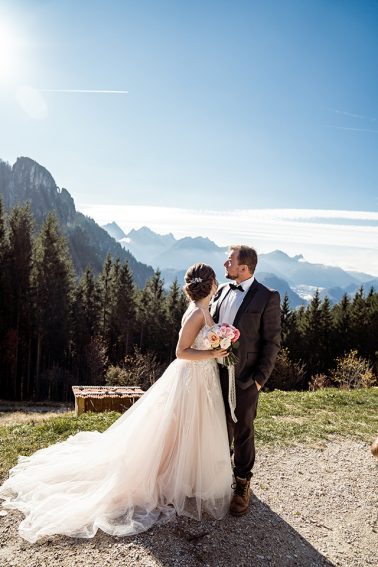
[246, 255]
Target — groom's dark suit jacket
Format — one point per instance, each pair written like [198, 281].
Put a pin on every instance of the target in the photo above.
[259, 322]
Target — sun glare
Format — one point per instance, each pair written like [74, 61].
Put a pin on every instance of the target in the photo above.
[7, 51]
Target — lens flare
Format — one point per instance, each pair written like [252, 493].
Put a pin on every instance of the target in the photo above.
[7, 51]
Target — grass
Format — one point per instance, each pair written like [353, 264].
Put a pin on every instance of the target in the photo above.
[25, 437]
[305, 417]
[283, 418]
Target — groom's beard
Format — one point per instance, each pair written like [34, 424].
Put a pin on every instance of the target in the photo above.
[230, 276]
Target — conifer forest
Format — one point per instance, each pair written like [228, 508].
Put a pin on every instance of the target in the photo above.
[57, 330]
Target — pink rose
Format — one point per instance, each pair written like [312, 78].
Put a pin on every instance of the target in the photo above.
[236, 335]
[223, 330]
[230, 333]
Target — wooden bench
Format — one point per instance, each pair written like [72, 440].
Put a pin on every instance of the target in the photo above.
[105, 398]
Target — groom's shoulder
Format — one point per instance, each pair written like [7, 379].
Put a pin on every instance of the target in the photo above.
[267, 291]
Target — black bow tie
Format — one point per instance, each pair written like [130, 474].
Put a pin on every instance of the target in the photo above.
[233, 286]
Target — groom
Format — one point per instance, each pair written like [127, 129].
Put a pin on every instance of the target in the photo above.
[255, 311]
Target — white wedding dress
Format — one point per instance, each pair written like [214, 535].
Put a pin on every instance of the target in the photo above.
[168, 453]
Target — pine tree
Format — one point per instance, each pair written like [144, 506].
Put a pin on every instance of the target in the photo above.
[4, 270]
[294, 341]
[152, 316]
[20, 295]
[358, 320]
[124, 310]
[371, 328]
[4, 285]
[326, 336]
[106, 289]
[312, 333]
[176, 304]
[112, 324]
[342, 319]
[4, 306]
[85, 320]
[91, 302]
[3, 236]
[286, 317]
[54, 284]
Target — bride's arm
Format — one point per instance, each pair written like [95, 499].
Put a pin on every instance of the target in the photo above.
[189, 330]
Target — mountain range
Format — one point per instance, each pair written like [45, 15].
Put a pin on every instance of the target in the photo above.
[292, 275]
[28, 181]
[146, 250]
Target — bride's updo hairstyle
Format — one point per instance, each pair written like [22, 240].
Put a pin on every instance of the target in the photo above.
[198, 281]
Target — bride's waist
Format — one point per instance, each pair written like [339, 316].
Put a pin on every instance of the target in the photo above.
[208, 362]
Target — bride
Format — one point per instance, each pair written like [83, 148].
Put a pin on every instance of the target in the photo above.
[167, 454]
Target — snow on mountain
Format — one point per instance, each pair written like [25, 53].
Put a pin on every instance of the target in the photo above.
[291, 274]
[298, 272]
[146, 244]
[188, 251]
[114, 230]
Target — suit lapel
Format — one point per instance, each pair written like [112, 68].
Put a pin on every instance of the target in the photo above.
[217, 302]
[246, 301]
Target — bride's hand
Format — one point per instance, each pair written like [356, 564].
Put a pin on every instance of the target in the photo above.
[221, 353]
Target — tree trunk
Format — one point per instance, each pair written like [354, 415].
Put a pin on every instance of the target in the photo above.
[16, 392]
[28, 369]
[38, 364]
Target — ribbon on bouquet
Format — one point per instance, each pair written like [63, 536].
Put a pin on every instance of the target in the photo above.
[232, 391]
[231, 388]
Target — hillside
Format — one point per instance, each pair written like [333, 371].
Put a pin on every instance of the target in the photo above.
[89, 244]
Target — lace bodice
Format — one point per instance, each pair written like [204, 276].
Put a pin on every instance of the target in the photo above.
[201, 341]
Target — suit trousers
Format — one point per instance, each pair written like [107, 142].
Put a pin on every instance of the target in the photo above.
[242, 432]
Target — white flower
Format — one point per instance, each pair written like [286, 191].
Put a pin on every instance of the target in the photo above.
[225, 343]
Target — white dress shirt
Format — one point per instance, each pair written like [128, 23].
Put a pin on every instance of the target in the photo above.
[233, 299]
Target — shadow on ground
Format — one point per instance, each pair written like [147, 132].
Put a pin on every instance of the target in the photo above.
[261, 538]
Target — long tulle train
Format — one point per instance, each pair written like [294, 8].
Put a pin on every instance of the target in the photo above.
[168, 453]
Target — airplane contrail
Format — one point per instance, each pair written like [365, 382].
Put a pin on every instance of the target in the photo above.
[353, 129]
[81, 91]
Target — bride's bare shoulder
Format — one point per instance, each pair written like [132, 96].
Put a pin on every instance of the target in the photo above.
[193, 316]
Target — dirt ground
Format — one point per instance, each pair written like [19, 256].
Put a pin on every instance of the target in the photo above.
[312, 506]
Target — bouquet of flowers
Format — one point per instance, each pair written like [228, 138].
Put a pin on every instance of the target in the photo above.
[225, 336]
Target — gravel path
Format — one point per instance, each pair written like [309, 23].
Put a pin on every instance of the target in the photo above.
[312, 506]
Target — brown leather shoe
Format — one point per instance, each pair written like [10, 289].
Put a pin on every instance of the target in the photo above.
[240, 500]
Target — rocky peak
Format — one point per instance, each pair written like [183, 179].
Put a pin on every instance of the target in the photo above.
[27, 172]
[5, 176]
[89, 244]
[114, 230]
[29, 181]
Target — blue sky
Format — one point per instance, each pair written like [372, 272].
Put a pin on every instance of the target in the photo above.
[230, 105]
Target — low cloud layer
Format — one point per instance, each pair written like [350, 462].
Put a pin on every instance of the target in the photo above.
[348, 239]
